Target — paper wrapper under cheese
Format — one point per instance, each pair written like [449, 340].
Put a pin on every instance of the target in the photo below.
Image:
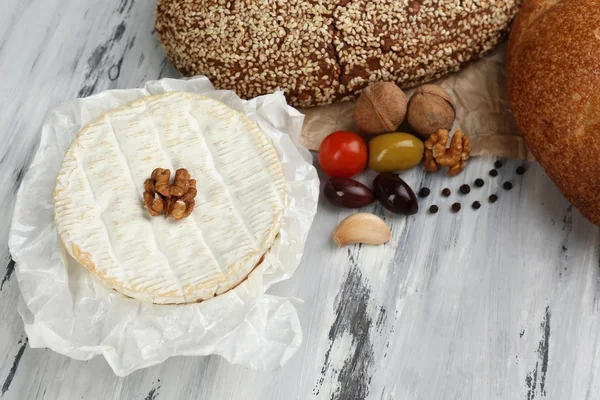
[68, 310]
[482, 111]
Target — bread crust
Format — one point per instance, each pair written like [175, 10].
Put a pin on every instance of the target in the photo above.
[321, 51]
[553, 71]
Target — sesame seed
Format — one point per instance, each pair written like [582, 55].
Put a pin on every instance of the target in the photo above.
[304, 41]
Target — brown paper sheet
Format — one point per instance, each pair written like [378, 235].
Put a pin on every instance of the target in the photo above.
[482, 111]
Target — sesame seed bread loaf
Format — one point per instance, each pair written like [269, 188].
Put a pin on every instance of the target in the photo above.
[554, 89]
[321, 51]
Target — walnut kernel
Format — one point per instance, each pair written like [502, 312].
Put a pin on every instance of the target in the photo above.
[176, 200]
[455, 157]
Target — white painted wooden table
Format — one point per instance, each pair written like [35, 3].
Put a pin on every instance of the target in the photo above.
[500, 303]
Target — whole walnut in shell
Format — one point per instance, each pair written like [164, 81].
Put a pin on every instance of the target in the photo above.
[430, 109]
[380, 108]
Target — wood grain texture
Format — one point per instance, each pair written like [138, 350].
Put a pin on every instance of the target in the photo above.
[502, 303]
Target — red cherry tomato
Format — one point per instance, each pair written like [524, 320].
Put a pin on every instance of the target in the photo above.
[343, 154]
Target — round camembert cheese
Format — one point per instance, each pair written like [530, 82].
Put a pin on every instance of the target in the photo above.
[99, 210]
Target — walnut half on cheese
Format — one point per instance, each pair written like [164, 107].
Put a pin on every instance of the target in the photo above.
[176, 199]
[100, 214]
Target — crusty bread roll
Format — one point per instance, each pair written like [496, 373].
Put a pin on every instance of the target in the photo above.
[554, 89]
[321, 51]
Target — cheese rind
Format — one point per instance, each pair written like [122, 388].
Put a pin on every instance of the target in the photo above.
[99, 210]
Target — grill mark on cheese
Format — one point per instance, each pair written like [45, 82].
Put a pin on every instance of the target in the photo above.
[134, 184]
[181, 261]
[217, 198]
[85, 257]
[123, 189]
[164, 150]
[203, 241]
[201, 234]
[161, 147]
[213, 159]
[130, 175]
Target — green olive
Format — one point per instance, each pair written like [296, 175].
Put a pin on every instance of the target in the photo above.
[395, 152]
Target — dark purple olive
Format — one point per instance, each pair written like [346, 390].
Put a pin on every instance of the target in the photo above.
[395, 194]
[344, 192]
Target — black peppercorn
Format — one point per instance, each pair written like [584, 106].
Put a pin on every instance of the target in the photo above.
[424, 192]
[465, 189]
[520, 170]
[493, 198]
[507, 185]
[446, 192]
[456, 207]
[493, 173]
[476, 205]
[479, 182]
[433, 209]
[498, 164]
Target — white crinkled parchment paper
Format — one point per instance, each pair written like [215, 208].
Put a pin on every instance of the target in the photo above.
[68, 310]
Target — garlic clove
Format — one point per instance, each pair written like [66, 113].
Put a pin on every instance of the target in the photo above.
[362, 228]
